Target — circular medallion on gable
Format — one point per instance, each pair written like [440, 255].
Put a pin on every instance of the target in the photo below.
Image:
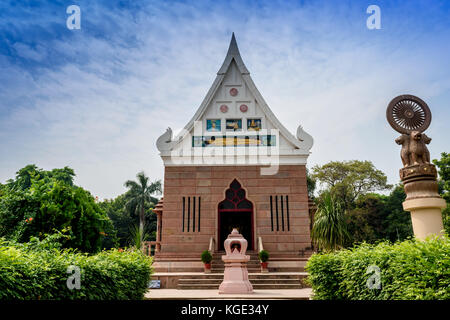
[243, 108]
[224, 108]
[234, 92]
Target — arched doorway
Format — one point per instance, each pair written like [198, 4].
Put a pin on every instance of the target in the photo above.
[235, 212]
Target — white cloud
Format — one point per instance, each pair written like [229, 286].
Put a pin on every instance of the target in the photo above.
[102, 117]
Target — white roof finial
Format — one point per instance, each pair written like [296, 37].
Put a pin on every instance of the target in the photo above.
[233, 48]
[233, 53]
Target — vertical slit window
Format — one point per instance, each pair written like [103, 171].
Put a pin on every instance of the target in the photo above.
[193, 214]
[282, 213]
[189, 213]
[276, 211]
[271, 212]
[184, 205]
[287, 212]
[199, 206]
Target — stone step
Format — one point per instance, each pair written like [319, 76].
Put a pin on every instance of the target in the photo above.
[251, 262]
[254, 265]
[218, 263]
[255, 286]
[219, 258]
[258, 281]
[253, 270]
[258, 275]
[253, 281]
[221, 270]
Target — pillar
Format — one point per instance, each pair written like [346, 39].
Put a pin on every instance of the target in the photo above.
[423, 200]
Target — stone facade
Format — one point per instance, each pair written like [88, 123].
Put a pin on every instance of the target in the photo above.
[210, 183]
[183, 248]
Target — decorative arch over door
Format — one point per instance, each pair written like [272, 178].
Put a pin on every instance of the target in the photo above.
[235, 211]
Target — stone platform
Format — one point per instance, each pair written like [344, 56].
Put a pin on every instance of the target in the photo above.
[187, 262]
[174, 294]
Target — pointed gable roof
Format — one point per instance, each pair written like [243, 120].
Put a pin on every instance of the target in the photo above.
[302, 143]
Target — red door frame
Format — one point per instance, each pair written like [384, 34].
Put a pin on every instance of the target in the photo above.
[236, 209]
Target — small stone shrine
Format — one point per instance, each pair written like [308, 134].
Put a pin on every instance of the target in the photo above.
[235, 277]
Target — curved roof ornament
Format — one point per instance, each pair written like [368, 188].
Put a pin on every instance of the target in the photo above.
[164, 142]
[306, 139]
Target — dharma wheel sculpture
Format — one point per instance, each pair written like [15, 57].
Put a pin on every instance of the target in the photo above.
[410, 116]
[408, 113]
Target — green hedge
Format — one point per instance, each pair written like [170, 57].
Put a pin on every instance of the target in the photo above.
[409, 270]
[30, 271]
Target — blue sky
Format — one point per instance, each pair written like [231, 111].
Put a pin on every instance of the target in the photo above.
[96, 99]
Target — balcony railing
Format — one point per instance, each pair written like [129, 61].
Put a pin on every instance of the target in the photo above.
[151, 247]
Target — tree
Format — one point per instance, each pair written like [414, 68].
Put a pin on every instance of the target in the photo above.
[396, 224]
[123, 220]
[120, 219]
[139, 194]
[348, 180]
[311, 184]
[31, 172]
[380, 217]
[39, 202]
[365, 220]
[329, 230]
[444, 186]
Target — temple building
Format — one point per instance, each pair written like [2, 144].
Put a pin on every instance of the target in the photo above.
[234, 165]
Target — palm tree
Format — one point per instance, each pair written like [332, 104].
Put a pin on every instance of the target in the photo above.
[137, 236]
[329, 231]
[139, 193]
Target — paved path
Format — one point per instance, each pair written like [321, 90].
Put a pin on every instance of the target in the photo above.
[175, 294]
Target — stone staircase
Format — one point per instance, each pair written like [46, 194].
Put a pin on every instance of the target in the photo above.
[218, 266]
[271, 280]
[278, 280]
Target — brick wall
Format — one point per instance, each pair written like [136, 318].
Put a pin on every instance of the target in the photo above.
[210, 183]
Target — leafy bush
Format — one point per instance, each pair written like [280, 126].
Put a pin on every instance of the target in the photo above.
[408, 270]
[263, 255]
[206, 256]
[324, 275]
[39, 270]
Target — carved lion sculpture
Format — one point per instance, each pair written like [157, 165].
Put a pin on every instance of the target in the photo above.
[418, 148]
[414, 149]
[403, 140]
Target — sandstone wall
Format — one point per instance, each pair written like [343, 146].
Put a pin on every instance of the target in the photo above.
[210, 183]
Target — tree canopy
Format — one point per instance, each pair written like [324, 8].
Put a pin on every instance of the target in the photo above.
[443, 166]
[375, 217]
[350, 186]
[39, 202]
[124, 219]
[347, 180]
[139, 193]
